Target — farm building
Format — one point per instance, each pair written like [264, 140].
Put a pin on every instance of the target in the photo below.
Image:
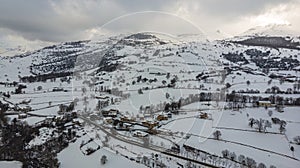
[264, 103]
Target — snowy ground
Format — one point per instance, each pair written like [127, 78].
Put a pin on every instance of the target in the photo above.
[184, 128]
[73, 157]
[10, 164]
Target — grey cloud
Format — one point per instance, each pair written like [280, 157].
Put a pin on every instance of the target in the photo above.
[64, 20]
[55, 20]
[225, 8]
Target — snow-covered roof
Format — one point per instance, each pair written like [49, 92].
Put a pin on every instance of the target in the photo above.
[264, 102]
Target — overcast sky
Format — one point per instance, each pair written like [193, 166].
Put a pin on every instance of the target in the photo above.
[35, 21]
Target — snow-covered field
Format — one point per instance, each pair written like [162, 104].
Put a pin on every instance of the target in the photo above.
[148, 79]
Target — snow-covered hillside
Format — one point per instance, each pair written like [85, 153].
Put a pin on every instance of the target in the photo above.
[152, 100]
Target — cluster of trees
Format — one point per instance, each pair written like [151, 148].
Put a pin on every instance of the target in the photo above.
[249, 162]
[9, 84]
[246, 161]
[282, 124]
[226, 158]
[60, 63]
[66, 108]
[17, 134]
[236, 58]
[282, 64]
[257, 57]
[238, 99]
[229, 155]
[173, 106]
[276, 90]
[261, 124]
[43, 77]
[19, 89]
[141, 79]
[256, 53]
[3, 108]
[251, 91]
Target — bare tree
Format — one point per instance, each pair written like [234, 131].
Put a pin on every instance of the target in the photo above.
[232, 156]
[250, 162]
[140, 91]
[268, 124]
[270, 113]
[251, 122]
[282, 126]
[103, 159]
[241, 159]
[261, 165]
[225, 153]
[217, 134]
[260, 124]
[297, 140]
